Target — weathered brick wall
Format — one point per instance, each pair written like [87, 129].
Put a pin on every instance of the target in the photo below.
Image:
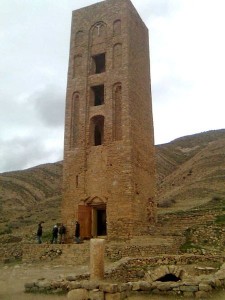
[120, 172]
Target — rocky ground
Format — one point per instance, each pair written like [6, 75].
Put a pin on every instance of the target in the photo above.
[14, 276]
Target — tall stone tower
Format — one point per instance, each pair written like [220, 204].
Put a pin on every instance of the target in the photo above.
[109, 172]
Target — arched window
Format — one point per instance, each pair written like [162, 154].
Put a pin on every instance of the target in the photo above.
[74, 130]
[117, 111]
[98, 33]
[77, 64]
[97, 131]
[79, 37]
[117, 27]
[117, 55]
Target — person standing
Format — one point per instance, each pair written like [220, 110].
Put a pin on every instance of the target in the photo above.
[39, 233]
[54, 234]
[77, 232]
[62, 232]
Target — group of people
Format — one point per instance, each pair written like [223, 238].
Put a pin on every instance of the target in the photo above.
[59, 231]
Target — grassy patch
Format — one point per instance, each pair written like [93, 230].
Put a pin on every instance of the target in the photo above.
[220, 219]
[47, 236]
[6, 230]
[189, 245]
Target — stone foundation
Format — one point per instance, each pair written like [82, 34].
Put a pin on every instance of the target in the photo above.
[186, 285]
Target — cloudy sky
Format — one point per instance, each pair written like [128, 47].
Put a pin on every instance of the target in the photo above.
[187, 69]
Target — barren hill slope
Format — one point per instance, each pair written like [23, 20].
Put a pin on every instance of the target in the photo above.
[30, 196]
[190, 172]
[195, 171]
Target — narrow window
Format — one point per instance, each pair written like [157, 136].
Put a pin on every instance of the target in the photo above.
[77, 180]
[74, 129]
[97, 131]
[98, 63]
[77, 65]
[117, 56]
[97, 95]
[117, 112]
[98, 135]
[117, 27]
[79, 37]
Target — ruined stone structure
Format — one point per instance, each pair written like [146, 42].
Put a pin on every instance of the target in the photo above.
[108, 181]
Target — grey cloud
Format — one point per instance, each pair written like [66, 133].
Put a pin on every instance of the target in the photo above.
[24, 152]
[50, 105]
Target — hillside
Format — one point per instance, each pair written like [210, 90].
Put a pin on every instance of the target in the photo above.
[190, 174]
[190, 171]
[30, 196]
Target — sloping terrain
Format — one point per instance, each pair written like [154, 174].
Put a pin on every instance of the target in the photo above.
[191, 171]
[30, 196]
[190, 176]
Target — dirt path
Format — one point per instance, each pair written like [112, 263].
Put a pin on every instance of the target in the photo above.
[13, 278]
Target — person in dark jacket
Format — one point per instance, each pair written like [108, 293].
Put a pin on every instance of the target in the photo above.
[39, 233]
[77, 232]
[55, 234]
[62, 232]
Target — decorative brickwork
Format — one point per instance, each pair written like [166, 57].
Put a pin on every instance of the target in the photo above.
[109, 164]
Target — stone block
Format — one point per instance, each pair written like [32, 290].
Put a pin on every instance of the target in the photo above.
[116, 296]
[201, 295]
[90, 285]
[74, 285]
[43, 284]
[109, 288]
[71, 277]
[164, 286]
[217, 283]
[96, 295]
[204, 287]
[189, 288]
[188, 295]
[78, 294]
[136, 286]
[220, 274]
[145, 286]
[124, 287]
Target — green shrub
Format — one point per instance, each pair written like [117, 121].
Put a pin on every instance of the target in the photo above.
[6, 230]
[220, 219]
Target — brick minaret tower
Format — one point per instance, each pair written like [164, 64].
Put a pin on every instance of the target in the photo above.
[109, 164]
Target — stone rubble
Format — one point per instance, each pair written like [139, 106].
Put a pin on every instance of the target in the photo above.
[80, 287]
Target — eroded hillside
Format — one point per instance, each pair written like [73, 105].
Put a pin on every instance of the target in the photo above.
[196, 171]
[190, 173]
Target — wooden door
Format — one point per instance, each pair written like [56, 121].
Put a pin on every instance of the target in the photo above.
[84, 218]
